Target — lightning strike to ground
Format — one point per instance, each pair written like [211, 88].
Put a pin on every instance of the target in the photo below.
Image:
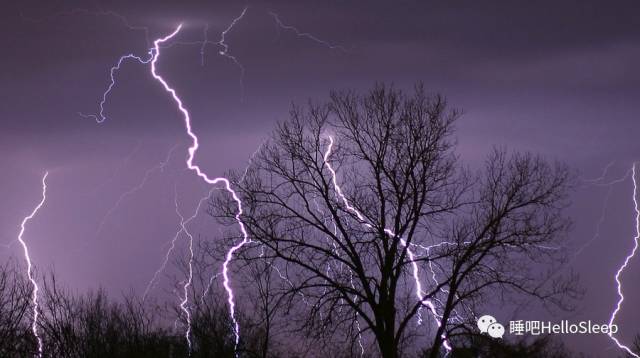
[226, 184]
[416, 271]
[328, 272]
[184, 301]
[27, 258]
[182, 229]
[214, 181]
[626, 263]
[154, 53]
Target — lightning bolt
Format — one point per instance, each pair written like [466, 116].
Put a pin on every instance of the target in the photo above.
[609, 185]
[154, 55]
[244, 174]
[182, 229]
[225, 48]
[152, 59]
[27, 257]
[357, 320]
[159, 167]
[599, 179]
[427, 250]
[306, 35]
[222, 43]
[205, 41]
[626, 262]
[100, 117]
[213, 181]
[416, 271]
[328, 272]
[185, 288]
[209, 284]
[122, 165]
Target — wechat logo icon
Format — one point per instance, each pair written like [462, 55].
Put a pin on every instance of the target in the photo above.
[488, 324]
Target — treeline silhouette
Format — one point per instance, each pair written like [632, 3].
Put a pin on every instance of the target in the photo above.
[96, 325]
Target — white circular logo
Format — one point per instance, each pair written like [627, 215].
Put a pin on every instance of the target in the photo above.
[484, 322]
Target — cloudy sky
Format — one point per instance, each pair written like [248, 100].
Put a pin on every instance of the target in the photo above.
[557, 78]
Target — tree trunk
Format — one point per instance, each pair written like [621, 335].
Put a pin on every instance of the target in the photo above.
[437, 343]
[388, 348]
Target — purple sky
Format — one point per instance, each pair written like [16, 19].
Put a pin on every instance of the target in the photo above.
[558, 78]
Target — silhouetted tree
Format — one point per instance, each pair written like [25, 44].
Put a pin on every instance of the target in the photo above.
[16, 339]
[92, 325]
[406, 208]
[635, 347]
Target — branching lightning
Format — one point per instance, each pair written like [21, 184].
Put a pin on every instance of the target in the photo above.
[225, 47]
[100, 117]
[152, 60]
[416, 271]
[172, 243]
[626, 263]
[306, 35]
[27, 257]
[153, 56]
[221, 43]
[184, 301]
[205, 41]
[226, 183]
[609, 185]
[328, 271]
[159, 167]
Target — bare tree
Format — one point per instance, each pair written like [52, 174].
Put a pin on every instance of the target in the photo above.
[362, 204]
[92, 325]
[15, 334]
[635, 346]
